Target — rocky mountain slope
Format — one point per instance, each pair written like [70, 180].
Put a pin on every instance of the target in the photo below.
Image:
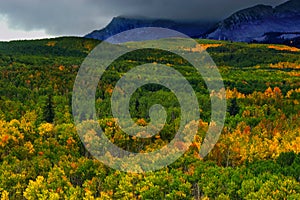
[120, 24]
[260, 23]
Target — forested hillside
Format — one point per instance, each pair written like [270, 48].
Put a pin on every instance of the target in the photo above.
[256, 157]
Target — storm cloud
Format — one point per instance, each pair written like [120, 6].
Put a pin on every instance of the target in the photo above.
[78, 17]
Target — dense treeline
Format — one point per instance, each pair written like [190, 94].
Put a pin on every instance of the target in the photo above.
[42, 157]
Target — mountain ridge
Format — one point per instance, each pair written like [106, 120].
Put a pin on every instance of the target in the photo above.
[254, 24]
[124, 23]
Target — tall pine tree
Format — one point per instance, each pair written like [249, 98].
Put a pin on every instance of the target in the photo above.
[234, 108]
[49, 110]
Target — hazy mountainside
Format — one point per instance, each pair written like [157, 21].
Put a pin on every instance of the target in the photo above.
[120, 24]
[258, 23]
[261, 23]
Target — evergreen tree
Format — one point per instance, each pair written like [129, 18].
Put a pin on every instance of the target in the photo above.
[234, 108]
[49, 110]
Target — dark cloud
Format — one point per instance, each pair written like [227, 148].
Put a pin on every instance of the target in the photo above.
[77, 17]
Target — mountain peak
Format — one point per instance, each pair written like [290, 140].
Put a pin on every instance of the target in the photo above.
[290, 7]
[124, 23]
[253, 24]
[257, 12]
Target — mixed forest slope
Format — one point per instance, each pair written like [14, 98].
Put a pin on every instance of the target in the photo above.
[42, 157]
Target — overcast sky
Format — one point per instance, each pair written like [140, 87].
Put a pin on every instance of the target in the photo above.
[20, 19]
